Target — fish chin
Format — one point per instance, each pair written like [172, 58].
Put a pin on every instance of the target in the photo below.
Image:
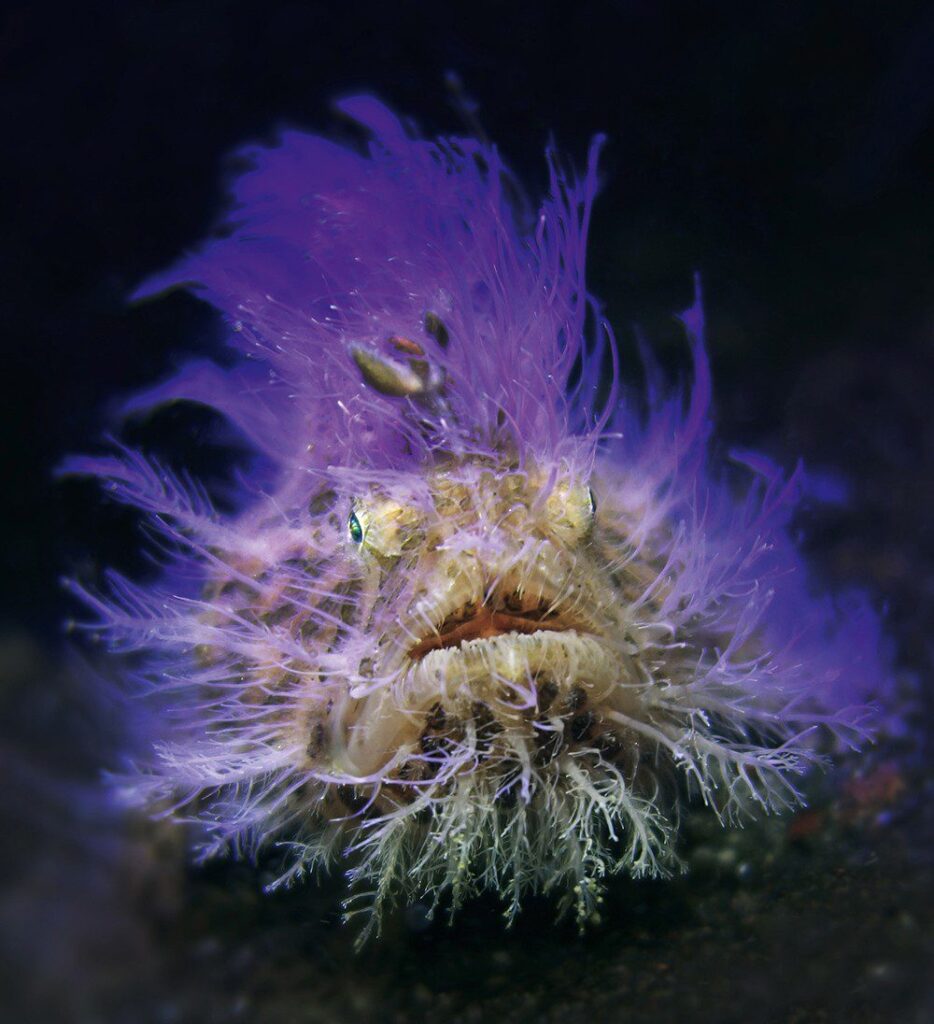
[524, 661]
[484, 756]
[519, 684]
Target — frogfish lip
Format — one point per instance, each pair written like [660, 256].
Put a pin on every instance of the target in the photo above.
[487, 622]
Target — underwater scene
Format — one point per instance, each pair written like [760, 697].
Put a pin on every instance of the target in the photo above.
[470, 556]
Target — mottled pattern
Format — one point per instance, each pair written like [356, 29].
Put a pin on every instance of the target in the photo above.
[498, 615]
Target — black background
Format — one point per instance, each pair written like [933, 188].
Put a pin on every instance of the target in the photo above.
[783, 150]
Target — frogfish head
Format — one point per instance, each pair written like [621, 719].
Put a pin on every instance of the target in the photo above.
[498, 632]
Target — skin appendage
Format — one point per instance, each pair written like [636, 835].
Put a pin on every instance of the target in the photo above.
[490, 617]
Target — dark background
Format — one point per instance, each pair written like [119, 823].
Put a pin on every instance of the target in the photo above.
[784, 150]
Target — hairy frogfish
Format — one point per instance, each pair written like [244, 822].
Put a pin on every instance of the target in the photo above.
[490, 615]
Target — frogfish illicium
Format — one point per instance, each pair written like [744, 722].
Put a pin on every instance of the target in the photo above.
[488, 617]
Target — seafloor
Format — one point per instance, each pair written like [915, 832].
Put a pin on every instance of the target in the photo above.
[821, 917]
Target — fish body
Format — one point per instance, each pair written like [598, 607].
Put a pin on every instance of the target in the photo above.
[492, 617]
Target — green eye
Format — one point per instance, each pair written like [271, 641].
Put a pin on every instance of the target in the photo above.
[356, 530]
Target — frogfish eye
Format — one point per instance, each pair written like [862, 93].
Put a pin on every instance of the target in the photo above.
[354, 528]
[593, 502]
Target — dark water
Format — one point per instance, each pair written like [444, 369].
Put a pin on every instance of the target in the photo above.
[783, 150]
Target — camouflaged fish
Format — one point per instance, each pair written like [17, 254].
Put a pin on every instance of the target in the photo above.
[491, 617]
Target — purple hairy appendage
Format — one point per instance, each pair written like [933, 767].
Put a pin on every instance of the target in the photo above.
[478, 634]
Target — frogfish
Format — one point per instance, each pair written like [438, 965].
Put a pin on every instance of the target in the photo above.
[488, 615]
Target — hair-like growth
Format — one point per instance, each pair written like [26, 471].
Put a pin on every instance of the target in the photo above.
[495, 616]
